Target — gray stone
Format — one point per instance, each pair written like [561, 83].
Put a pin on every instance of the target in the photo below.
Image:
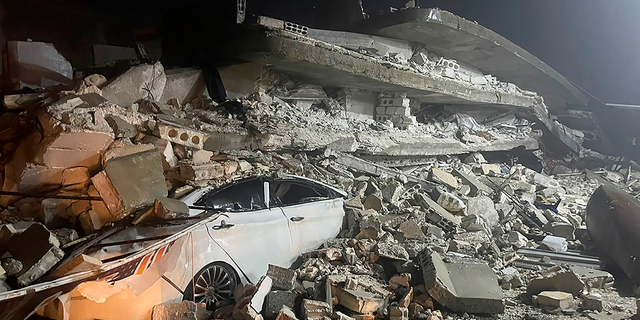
[473, 223]
[184, 85]
[483, 207]
[65, 235]
[564, 230]
[557, 279]
[138, 179]
[185, 310]
[392, 192]
[443, 177]
[461, 284]
[516, 239]
[121, 128]
[410, 230]
[11, 266]
[283, 278]
[592, 302]
[38, 251]
[555, 299]
[437, 214]
[595, 279]
[315, 310]
[37, 65]
[392, 251]
[434, 230]
[168, 208]
[140, 82]
[373, 202]
[276, 299]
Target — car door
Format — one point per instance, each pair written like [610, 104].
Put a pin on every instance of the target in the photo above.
[314, 211]
[253, 234]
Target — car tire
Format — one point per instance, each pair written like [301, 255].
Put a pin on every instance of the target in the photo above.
[214, 285]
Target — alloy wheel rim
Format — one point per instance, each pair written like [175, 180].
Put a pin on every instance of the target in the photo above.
[214, 285]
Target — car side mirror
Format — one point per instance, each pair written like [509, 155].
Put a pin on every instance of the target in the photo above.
[267, 194]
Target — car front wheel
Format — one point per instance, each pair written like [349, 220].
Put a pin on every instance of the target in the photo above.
[214, 285]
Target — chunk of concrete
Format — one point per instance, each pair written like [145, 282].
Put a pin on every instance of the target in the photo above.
[182, 135]
[202, 156]
[392, 251]
[484, 207]
[557, 279]
[167, 208]
[283, 278]
[592, 302]
[286, 313]
[75, 149]
[398, 313]
[373, 202]
[472, 181]
[110, 196]
[557, 299]
[436, 214]
[488, 169]
[392, 192]
[37, 65]
[207, 171]
[461, 284]
[442, 177]
[185, 310]
[38, 251]
[121, 128]
[145, 81]
[315, 310]
[78, 176]
[359, 301]
[11, 266]
[183, 85]
[277, 299]
[411, 231]
[597, 279]
[138, 179]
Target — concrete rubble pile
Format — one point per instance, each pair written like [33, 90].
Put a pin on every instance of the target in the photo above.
[446, 236]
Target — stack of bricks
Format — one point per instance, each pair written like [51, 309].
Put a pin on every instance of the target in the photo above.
[395, 109]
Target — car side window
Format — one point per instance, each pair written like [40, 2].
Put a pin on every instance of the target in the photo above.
[289, 192]
[244, 196]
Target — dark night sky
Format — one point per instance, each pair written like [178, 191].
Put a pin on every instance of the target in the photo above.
[595, 43]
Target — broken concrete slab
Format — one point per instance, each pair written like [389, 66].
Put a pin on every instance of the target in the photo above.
[38, 251]
[436, 214]
[283, 278]
[411, 230]
[557, 279]
[182, 135]
[146, 81]
[207, 171]
[461, 284]
[37, 65]
[483, 207]
[556, 299]
[104, 186]
[359, 301]
[167, 208]
[315, 310]
[183, 85]
[448, 34]
[442, 177]
[472, 181]
[277, 299]
[75, 149]
[185, 310]
[138, 179]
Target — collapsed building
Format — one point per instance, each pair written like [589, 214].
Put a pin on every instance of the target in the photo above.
[444, 134]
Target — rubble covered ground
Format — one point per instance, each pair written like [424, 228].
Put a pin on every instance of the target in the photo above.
[451, 212]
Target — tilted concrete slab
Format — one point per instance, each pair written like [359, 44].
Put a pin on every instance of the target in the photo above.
[467, 41]
[328, 65]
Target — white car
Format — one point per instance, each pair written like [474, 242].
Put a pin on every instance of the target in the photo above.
[265, 221]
